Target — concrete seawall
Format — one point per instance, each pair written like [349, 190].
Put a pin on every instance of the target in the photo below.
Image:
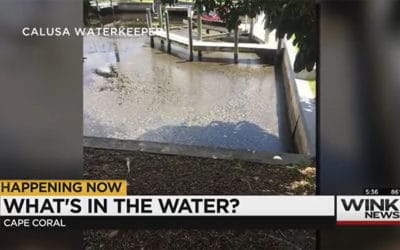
[301, 112]
[285, 159]
[302, 133]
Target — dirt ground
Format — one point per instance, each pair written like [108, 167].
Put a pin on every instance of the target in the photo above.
[155, 174]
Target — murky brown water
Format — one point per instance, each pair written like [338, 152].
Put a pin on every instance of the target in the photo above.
[164, 98]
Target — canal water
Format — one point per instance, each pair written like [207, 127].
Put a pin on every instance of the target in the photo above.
[165, 98]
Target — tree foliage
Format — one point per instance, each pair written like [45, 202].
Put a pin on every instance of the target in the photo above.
[295, 18]
[290, 18]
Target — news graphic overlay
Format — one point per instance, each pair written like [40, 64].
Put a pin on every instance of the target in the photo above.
[62, 187]
[87, 203]
[36, 204]
[368, 210]
[382, 191]
[24, 203]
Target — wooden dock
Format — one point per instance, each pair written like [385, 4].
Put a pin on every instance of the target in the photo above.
[178, 8]
[213, 46]
[103, 5]
[186, 39]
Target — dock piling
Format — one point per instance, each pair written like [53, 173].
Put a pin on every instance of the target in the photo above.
[149, 19]
[98, 12]
[251, 33]
[267, 31]
[236, 45]
[190, 28]
[161, 15]
[112, 9]
[149, 26]
[199, 28]
[116, 51]
[167, 30]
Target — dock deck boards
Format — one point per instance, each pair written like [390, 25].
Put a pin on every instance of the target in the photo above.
[214, 46]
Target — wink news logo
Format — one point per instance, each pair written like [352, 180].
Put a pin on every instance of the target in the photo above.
[373, 208]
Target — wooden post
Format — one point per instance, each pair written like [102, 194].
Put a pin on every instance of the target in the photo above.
[161, 15]
[151, 40]
[149, 26]
[251, 35]
[199, 26]
[116, 52]
[236, 48]
[112, 8]
[167, 30]
[267, 32]
[199, 23]
[190, 27]
[149, 20]
[98, 12]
